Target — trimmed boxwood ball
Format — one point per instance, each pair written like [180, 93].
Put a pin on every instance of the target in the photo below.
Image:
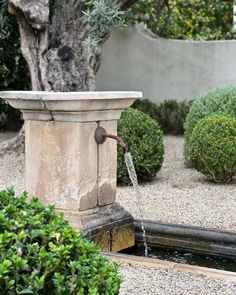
[144, 139]
[221, 101]
[212, 148]
[41, 254]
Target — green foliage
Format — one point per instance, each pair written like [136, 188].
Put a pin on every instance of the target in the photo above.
[41, 254]
[170, 114]
[13, 69]
[212, 148]
[101, 15]
[220, 101]
[184, 19]
[145, 143]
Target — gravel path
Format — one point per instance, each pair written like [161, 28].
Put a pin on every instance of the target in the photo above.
[180, 196]
[11, 167]
[183, 196]
[140, 280]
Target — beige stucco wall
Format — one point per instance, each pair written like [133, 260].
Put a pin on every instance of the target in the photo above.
[165, 69]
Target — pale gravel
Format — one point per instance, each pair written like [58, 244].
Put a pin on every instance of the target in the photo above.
[175, 196]
[139, 280]
[178, 195]
[183, 196]
[11, 167]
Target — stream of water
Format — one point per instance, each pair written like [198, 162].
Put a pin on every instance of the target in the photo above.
[133, 177]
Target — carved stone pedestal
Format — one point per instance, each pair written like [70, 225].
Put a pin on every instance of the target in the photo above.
[67, 168]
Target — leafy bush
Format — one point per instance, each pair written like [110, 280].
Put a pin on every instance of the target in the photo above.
[145, 142]
[170, 114]
[41, 254]
[212, 148]
[220, 101]
[177, 19]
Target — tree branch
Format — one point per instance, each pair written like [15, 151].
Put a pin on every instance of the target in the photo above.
[35, 12]
[160, 7]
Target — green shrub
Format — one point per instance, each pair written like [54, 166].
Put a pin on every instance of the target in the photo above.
[220, 101]
[145, 142]
[170, 114]
[41, 254]
[184, 19]
[212, 148]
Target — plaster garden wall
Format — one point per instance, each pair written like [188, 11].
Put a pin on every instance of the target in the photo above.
[164, 69]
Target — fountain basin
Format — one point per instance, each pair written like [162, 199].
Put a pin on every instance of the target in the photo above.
[202, 241]
[170, 265]
[183, 246]
[64, 165]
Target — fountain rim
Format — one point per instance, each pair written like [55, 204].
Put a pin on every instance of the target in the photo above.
[71, 106]
[71, 96]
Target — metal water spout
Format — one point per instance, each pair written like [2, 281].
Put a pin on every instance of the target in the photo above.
[101, 135]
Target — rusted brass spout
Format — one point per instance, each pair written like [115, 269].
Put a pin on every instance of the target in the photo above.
[101, 135]
[119, 140]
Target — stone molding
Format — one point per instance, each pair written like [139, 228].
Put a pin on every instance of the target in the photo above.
[70, 106]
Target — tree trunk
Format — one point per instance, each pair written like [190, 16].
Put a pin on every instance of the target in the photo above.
[52, 43]
[54, 51]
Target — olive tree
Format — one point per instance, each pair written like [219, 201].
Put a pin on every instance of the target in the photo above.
[61, 41]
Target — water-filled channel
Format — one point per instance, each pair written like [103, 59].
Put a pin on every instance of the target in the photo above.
[183, 257]
[167, 253]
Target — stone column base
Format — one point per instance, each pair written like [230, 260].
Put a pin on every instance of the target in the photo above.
[110, 227]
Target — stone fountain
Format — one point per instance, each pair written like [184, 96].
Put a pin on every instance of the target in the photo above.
[66, 167]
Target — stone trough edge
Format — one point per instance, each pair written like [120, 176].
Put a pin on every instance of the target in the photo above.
[157, 263]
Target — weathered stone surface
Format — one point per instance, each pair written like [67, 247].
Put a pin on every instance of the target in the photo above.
[110, 227]
[70, 106]
[66, 167]
[61, 164]
[103, 240]
[122, 236]
[116, 239]
[107, 166]
[188, 238]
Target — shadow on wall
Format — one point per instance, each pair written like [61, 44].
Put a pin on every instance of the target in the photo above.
[164, 69]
